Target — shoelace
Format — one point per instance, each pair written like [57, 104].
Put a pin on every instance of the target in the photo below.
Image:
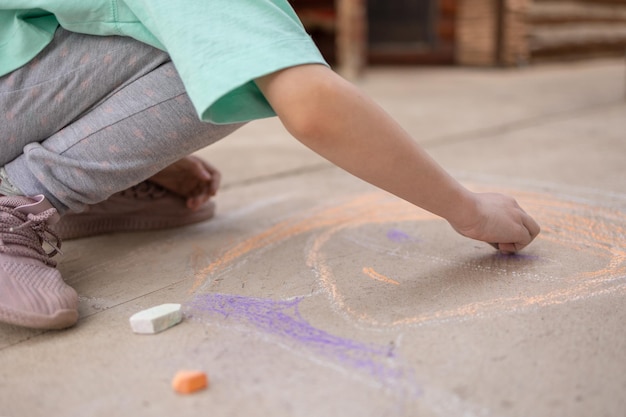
[145, 190]
[28, 231]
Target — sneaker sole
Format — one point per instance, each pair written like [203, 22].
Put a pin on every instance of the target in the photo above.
[62, 319]
[75, 226]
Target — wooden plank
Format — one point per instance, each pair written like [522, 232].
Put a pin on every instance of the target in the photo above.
[351, 37]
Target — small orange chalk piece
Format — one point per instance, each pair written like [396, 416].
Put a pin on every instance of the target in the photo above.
[187, 382]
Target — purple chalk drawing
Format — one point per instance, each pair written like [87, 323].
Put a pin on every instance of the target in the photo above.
[283, 320]
[516, 256]
[399, 236]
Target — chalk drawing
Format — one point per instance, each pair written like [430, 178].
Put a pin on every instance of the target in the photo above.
[282, 319]
[399, 236]
[379, 277]
[578, 228]
[571, 230]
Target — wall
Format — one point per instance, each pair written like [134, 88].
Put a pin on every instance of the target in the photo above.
[516, 32]
[492, 32]
[579, 29]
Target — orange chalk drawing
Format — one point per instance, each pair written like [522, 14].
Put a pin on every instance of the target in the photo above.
[573, 230]
[379, 277]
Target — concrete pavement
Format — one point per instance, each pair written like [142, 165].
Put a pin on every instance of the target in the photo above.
[314, 294]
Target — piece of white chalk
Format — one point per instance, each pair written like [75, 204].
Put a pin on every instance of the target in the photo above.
[156, 319]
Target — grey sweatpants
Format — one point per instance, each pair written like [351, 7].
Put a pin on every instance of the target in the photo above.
[91, 116]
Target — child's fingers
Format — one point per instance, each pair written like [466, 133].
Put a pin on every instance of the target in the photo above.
[214, 175]
[524, 236]
[531, 225]
[508, 248]
[529, 230]
[200, 195]
[199, 168]
[214, 185]
[196, 202]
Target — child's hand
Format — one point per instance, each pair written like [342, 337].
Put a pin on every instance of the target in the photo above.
[498, 219]
[192, 178]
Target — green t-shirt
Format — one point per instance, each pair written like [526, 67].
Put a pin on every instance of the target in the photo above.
[218, 46]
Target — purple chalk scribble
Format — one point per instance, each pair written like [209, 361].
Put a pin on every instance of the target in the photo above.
[399, 236]
[283, 319]
[516, 256]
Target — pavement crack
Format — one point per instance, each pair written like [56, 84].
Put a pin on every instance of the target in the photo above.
[308, 169]
[517, 125]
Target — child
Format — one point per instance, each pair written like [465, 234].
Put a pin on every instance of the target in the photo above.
[87, 117]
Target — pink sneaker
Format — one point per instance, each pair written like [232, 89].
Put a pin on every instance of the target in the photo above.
[146, 206]
[32, 292]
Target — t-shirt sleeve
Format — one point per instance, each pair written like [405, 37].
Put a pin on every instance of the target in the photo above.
[220, 47]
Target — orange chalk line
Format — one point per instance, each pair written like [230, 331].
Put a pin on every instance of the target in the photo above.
[589, 282]
[379, 277]
[560, 226]
[361, 209]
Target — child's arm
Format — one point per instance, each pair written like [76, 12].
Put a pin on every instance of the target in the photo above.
[334, 119]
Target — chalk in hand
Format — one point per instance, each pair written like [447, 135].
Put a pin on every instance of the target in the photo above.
[156, 319]
[187, 382]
